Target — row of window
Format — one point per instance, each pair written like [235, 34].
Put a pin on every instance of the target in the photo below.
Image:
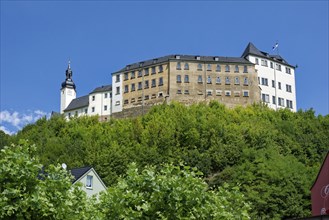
[106, 95]
[218, 80]
[266, 98]
[278, 66]
[209, 92]
[146, 97]
[209, 67]
[140, 73]
[264, 82]
[140, 85]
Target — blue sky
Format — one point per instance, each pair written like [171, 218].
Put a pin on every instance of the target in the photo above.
[100, 37]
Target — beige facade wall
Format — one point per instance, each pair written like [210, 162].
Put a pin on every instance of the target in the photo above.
[152, 93]
[242, 88]
[234, 93]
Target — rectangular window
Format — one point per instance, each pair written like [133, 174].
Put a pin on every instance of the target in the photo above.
[117, 103]
[288, 70]
[227, 81]
[132, 75]
[265, 81]
[179, 91]
[265, 98]
[245, 69]
[236, 70]
[236, 93]
[209, 67]
[160, 69]
[126, 101]
[218, 81]
[117, 90]
[256, 60]
[126, 76]
[153, 96]
[209, 80]
[153, 70]
[117, 78]
[186, 66]
[140, 74]
[153, 83]
[178, 79]
[147, 97]
[126, 89]
[86, 110]
[199, 66]
[160, 81]
[146, 84]
[199, 79]
[105, 95]
[279, 85]
[209, 92]
[289, 104]
[89, 181]
[273, 99]
[218, 68]
[105, 107]
[186, 92]
[69, 114]
[186, 78]
[146, 72]
[264, 62]
[140, 85]
[278, 67]
[133, 87]
[281, 101]
[93, 98]
[271, 64]
[288, 88]
[245, 93]
[236, 81]
[139, 99]
[273, 83]
[227, 93]
[245, 81]
[133, 100]
[227, 68]
[92, 109]
[178, 66]
[218, 92]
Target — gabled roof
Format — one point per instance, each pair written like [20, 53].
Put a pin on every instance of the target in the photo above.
[78, 103]
[322, 167]
[79, 172]
[102, 89]
[252, 49]
[163, 59]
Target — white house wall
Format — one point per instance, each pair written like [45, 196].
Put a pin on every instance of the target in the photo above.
[117, 96]
[278, 76]
[98, 104]
[97, 185]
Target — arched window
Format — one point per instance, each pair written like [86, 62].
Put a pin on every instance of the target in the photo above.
[186, 67]
[218, 69]
[199, 66]
[227, 68]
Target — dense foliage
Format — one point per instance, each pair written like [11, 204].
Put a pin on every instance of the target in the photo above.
[28, 191]
[273, 155]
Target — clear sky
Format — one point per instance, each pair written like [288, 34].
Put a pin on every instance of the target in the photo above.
[100, 37]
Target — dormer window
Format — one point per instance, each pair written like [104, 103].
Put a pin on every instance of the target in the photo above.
[127, 67]
[155, 60]
[197, 57]
[177, 57]
[216, 58]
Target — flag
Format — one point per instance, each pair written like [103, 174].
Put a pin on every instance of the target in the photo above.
[275, 46]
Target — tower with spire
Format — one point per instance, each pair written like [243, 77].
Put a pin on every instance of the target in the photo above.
[68, 92]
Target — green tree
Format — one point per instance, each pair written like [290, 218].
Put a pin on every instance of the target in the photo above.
[29, 193]
[173, 192]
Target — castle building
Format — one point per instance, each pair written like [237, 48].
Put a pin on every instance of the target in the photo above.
[276, 78]
[254, 77]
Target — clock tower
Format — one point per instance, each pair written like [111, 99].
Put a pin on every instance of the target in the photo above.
[68, 92]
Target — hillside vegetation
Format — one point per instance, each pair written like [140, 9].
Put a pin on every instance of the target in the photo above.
[273, 156]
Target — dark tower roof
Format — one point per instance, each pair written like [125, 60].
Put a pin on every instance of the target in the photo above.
[68, 83]
[251, 49]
